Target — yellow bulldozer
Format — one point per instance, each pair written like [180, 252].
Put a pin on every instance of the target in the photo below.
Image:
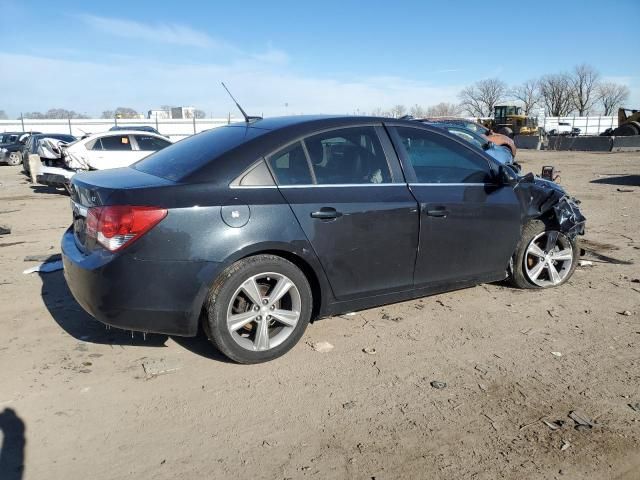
[510, 120]
[628, 124]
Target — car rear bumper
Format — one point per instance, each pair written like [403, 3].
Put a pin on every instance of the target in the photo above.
[125, 292]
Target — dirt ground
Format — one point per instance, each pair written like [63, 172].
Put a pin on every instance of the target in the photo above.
[103, 404]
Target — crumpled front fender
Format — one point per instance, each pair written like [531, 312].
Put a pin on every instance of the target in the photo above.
[544, 199]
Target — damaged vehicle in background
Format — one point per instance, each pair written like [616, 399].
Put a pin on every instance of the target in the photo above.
[252, 230]
[497, 138]
[113, 149]
[33, 147]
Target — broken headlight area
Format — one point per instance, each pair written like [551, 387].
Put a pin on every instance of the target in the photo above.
[569, 217]
[546, 199]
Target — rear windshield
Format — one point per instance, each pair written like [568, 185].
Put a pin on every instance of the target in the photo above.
[186, 156]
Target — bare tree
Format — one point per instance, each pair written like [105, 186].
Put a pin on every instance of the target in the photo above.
[199, 113]
[54, 113]
[584, 85]
[3, 115]
[480, 98]
[108, 114]
[379, 112]
[33, 115]
[611, 95]
[398, 111]
[126, 112]
[444, 109]
[528, 93]
[417, 111]
[556, 94]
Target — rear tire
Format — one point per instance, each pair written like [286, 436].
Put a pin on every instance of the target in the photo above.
[540, 262]
[249, 318]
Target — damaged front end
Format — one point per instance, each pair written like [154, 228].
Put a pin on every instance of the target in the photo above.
[547, 200]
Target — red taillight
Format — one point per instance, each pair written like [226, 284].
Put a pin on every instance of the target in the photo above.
[116, 226]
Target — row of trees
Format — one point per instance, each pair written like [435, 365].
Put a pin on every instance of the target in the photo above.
[127, 112]
[61, 113]
[55, 113]
[581, 92]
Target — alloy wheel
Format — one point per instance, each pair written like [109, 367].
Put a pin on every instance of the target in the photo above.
[548, 258]
[263, 311]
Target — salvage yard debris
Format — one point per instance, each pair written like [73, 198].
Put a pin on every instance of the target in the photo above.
[45, 267]
[322, 347]
[159, 366]
[582, 421]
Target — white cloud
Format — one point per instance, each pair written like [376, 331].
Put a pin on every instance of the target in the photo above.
[261, 83]
[160, 32]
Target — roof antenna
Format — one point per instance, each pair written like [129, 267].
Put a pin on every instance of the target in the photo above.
[247, 118]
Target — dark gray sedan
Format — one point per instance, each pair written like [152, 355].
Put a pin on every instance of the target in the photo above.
[254, 229]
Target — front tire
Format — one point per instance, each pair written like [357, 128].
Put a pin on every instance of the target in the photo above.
[14, 159]
[544, 258]
[258, 309]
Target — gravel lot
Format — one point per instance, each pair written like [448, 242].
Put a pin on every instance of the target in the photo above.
[103, 404]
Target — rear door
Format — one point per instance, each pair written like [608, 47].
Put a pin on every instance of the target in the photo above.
[346, 189]
[112, 151]
[469, 224]
[146, 144]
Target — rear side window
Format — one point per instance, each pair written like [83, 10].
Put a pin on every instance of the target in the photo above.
[438, 159]
[348, 156]
[186, 156]
[151, 143]
[116, 142]
[290, 166]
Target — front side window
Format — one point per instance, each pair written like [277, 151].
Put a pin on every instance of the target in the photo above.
[151, 143]
[115, 142]
[438, 159]
[290, 166]
[348, 156]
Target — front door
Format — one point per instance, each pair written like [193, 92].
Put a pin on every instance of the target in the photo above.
[356, 211]
[469, 224]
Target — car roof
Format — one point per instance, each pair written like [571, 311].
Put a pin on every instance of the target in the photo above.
[52, 135]
[276, 132]
[114, 133]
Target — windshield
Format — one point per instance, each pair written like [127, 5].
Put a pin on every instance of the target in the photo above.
[186, 156]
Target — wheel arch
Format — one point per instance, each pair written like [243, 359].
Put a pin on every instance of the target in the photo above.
[310, 267]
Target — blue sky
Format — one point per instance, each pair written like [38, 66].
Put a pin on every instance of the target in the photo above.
[321, 57]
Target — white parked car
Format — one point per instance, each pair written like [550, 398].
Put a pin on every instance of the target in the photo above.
[101, 151]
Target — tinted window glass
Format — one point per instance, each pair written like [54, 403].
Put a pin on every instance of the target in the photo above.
[437, 159]
[259, 175]
[150, 143]
[290, 166]
[186, 156]
[348, 155]
[116, 142]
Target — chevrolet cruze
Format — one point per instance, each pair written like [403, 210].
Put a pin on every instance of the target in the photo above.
[254, 229]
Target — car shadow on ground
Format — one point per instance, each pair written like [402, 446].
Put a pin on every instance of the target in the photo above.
[626, 180]
[49, 190]
[80, 325]
[12, 429]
